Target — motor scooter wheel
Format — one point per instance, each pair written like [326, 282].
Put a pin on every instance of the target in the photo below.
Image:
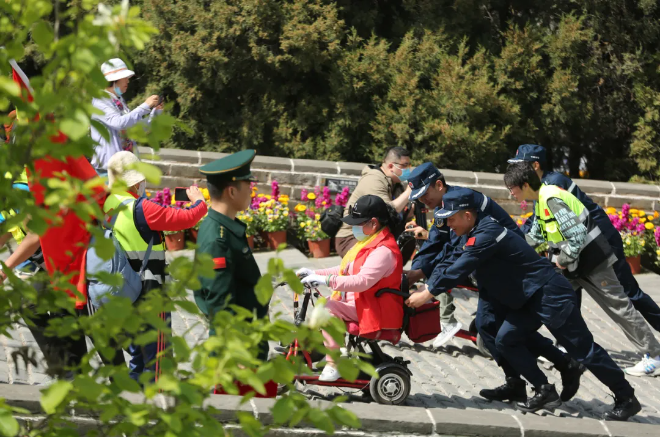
[391, 388]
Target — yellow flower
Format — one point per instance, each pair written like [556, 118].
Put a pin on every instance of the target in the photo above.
[311, 196]
[628, 241]
[302, 224]
[634, 211]
[642, 220]
[641, 213]
[323, 203]
[611, 210]
[317, 216]
[649, 225]
[649, 217]
[270, 220]
[301, 208]
[148, 193]
[529, 214]
[268, 196]
[642, 242]
[656, 214]
[309, 223]
[520, 222]
[657, 252]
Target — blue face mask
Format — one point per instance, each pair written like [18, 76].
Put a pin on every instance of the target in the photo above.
[359, 234]
[405, 174]
[118, 91]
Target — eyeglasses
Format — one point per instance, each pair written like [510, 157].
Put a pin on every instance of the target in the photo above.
[511, 189]
[401, 166]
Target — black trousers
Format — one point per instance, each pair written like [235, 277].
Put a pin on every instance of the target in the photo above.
[61, 353]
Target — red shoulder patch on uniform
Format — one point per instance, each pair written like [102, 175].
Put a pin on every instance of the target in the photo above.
[219, 263]
[471, 241]
[547, 212]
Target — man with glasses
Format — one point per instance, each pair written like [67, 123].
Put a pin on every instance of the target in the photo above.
[382, 181]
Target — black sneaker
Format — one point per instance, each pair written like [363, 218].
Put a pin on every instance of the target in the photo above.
[546, 397]
[513, 390]
[570, 380]
[624, 408]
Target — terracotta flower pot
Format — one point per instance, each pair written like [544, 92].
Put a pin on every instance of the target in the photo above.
[250, 240]
[192, 235]
[635, 263]
[175, 241]
[319, 249]
[274, 239]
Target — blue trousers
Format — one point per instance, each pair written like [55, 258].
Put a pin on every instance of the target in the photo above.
[640, 300]
[147, 358]
[490, 316]
[555, 306]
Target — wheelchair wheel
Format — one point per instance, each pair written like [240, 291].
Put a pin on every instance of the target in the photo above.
[391, 388]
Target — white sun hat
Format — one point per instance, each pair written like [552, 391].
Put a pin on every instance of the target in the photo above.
[115, 69]
[118, 168]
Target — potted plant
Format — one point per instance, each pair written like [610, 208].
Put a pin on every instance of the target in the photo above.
[632, 231]
[174, 240]
[272, 216]
[247, 217]
[317, 240]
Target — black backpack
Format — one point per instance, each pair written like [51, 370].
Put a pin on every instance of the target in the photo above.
[331, 220]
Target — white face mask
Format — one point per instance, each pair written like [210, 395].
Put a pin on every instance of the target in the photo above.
[142, 188]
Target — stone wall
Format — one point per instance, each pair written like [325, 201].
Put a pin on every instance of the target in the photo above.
[181, 168]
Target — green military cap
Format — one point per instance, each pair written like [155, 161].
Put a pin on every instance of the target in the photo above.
[235, 167]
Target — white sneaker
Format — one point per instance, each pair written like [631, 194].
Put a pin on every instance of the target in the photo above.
[448, 332]
[647, 367]
[329, 374]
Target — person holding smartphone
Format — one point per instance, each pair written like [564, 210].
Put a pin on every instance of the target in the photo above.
[117, 117]
[138, 227]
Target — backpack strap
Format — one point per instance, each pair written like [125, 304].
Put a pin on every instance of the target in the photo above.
[113, 220]
[147, 254]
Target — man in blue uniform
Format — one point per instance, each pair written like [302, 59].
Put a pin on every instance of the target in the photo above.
[642, 302]
[534, 294]
[428, 185]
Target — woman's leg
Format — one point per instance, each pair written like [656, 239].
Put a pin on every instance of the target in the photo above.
[345, 311]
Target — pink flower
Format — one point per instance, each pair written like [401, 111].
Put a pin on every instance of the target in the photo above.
[625, 211]
[656, 234]
[303, 195]
[523, 205]
[275, 190]
[317, 191]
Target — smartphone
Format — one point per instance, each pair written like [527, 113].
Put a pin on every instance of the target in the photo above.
[161, 99]
[180, 195]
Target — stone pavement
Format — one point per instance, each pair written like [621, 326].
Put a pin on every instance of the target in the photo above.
[449, 378]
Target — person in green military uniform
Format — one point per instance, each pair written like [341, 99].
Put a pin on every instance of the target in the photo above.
[222, 236]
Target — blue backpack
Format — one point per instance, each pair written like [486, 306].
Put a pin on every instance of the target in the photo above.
[99, 292]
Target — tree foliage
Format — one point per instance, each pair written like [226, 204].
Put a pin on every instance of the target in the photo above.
[68, 44]
[463, 82]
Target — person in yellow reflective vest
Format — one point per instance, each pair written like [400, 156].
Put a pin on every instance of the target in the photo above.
[577, 246]
[136, 226]
[28, 258]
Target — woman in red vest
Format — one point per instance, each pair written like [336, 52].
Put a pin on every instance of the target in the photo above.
[372, 264]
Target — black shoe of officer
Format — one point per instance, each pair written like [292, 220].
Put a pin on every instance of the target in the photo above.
[570, 380]
[513, 390]
[624, 408]
[546, 397]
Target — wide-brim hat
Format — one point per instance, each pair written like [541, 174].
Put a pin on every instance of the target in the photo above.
[115, 69]
[118, 168]
[366, 208]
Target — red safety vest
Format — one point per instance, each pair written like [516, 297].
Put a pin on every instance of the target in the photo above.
[384, 312]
